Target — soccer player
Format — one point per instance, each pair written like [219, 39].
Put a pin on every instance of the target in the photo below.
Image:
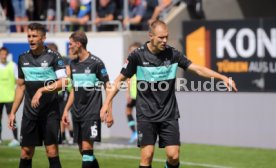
[131, 99]
[155, 64]
[41, 73]
[8, 79]
[63, 97]
[88, 73]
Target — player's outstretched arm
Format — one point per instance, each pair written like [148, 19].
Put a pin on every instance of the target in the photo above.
[208, 73]
[108, 117]
[65, 119]
[112, 91]
[54, 87]
[19, 94]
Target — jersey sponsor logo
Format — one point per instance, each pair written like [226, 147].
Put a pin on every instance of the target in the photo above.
[160, 73]
[74, 70]
[84, 80]
[39, 73]
[145, 63]
[26, 63]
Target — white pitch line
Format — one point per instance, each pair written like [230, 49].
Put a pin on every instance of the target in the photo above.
[160, 160]
[138, 158]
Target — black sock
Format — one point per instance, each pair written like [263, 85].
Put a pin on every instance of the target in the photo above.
[71, 133]
[25, 163]
[168, 165]
[131, 122]
[89, 160]
[63, 136]
[145, 166]
[54, 162]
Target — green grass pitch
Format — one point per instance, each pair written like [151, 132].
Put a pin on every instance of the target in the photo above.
[192, 156]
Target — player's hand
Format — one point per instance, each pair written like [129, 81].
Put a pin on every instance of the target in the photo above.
[65, 119]
[103, 113]
[230, 84]
[36, 98]
[109, 120]
[11, 121]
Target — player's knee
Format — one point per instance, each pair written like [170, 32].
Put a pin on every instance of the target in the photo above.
[51, 152]
[147, 157]
[173, 156]
[27, 153]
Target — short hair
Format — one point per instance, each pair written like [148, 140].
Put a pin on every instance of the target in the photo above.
[4, 49]
[38, 27]
[135, 44]
[52, 46]
[156, 23]
[80, 36]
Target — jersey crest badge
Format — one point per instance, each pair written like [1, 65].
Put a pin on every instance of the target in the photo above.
[87, 71]
[44, 64]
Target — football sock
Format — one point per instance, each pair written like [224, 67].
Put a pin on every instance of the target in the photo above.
[54, 162]
[89, 160]
[25, 163]
[168, 165]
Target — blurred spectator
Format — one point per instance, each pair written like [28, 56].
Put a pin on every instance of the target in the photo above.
[78, 15]
[29, 5]
[105, 12]
[195, 9]
[51, 13]
[8, 80]
[51, 10]
[162, 5]
[7, 9]
[8, 13]
[150, 6]
[136, 11]
[39, 10]
[119, 9]
[20, 14]
[86, 3]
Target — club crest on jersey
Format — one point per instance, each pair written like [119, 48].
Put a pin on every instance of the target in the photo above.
[167, 63]
[87, 71]
[44, 64]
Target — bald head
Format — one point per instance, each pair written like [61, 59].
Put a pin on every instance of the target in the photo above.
[159, 34]
[157, 24]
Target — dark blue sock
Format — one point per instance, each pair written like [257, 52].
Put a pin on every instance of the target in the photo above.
[168, 165]
[89, 160]
[25, 163]
[54, 162]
